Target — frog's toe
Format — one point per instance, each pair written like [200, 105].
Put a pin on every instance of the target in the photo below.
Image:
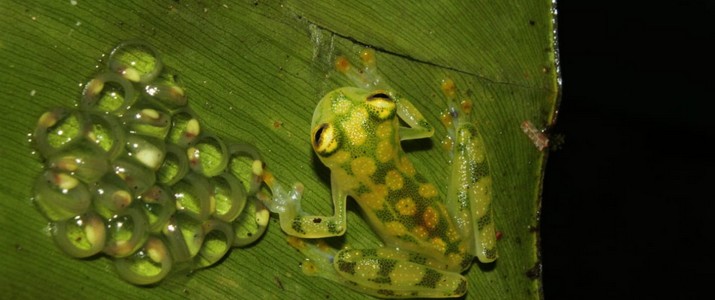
[367, 56]
[366, 76]
[318, 258]
[459, 107]
[296, 243]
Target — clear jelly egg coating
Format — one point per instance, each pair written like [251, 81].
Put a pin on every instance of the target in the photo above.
[131, 174]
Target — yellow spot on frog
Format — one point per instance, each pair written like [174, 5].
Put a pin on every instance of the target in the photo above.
[342, 176]
[342, 106]
[452, 234]
[405, 165]
[384, 130]
[394, 180]
[480, 192]
[395, 228]
[479, 156]
[455, 258]
[430, 218]
[363, 166]
[384, 151]
[420, 231]
[353, 127]
[439, 244]
[428, 190]
[406, 206]
[376, 198]
[341, 157]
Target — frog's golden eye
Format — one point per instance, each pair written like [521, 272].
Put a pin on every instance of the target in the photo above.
[381, 105]
[325, 139]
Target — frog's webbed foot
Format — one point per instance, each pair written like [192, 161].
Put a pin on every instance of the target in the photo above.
[318, 258]
[366, 77]
[469, 194]
[458, 114]
[281, 200]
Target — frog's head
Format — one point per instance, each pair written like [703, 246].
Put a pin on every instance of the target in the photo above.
[346, 119]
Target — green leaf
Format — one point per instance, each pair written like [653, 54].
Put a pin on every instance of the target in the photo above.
[253, 72]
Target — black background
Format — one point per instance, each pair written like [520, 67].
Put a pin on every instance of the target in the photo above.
[628, 199]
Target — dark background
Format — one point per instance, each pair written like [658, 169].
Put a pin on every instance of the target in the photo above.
[628, 200]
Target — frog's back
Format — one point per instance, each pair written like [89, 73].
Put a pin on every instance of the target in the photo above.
[359, 140]
[408, 213]
[398, 202]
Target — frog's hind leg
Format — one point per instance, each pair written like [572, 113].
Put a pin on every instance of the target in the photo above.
[381, 272]
[469, 194]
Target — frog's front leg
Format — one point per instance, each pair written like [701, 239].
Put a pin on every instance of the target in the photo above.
[381, 272]
[294, 221]
[469, 193]
[419, 127]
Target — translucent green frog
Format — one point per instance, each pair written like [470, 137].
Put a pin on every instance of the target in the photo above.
[428, 241]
